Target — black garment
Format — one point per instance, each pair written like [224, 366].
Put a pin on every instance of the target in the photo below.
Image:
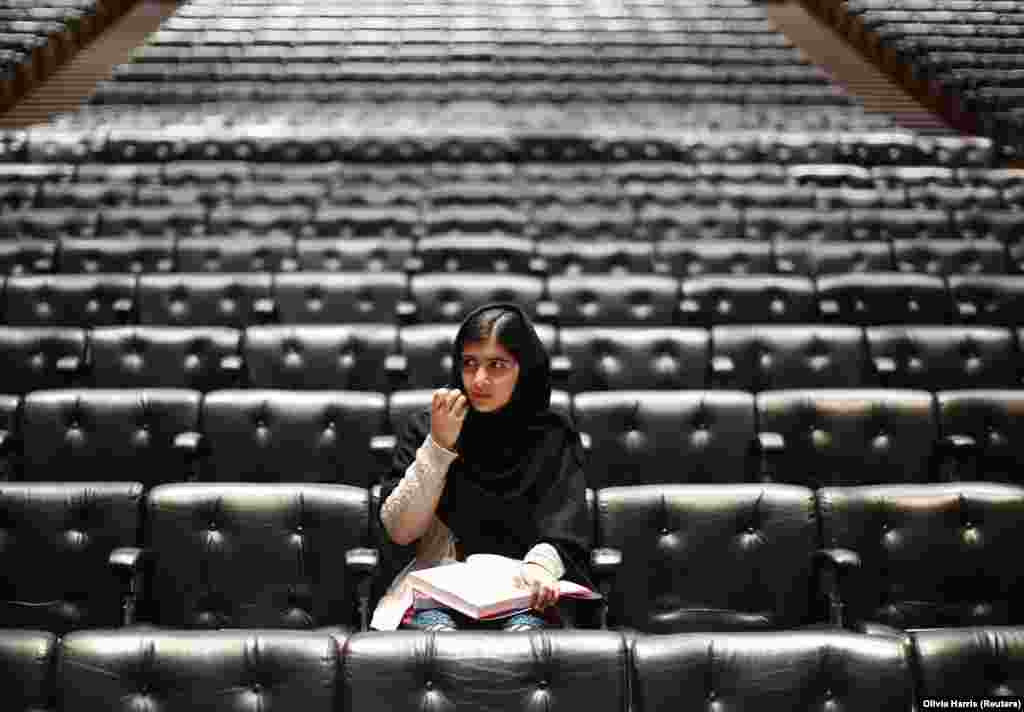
[518, 480]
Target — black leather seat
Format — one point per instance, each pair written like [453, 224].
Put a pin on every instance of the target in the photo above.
[814, 259]
[768, 357]
[993, 300]
[749, 299]
[237, 253]
[646, 437]
[974, 663]
[339, 297]
[693, 258]
[931, 555]
[248, 555]
[190, 299]
[882, 298]
[626, 300]
[552, 670]
[209, 669]
[950, 257]
[574, 257]
[198, 358]
[357, 357]
[76, 300]
[256, 435]
[761, 670]
[475, 253]
[846, 436]
[27, 659]
[631, 358]
[57, 537]
[368, 254]
[10, 426]
[983, 433]
[116, 254]
[119, 434]
[710, 557]
[35, 358]
[443, 297]
[27, 256]
[944, 357]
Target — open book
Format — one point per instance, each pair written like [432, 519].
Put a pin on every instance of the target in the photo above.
[484, 586]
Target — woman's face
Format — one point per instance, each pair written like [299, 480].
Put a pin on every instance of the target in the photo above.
[489, 374]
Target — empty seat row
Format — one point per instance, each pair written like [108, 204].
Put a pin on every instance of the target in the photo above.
[809, 437]
[311, 556]
[386, 358]
[249, 299]
[507, 254]
[561, 670]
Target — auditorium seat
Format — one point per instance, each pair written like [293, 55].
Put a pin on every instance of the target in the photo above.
[35, 358]
[813, 259]
[574, 257]
[768, 670]
[825, 437]
[992, 300]
[747, 299]
[649, 437]
[209, 669]
[631, 358]
[339, 297]
[152, 221]
[969, 663]
[795, 224]
[249, 555]
[447, 297]
[709, 557]
[626, 300]
[950, 257]
[197, 358]
[882, 298]
[944, 357]
[116, 254]
[190, 299]
[27, 659]
[370, 254]
[10, 412]
[475, 253]
[889, 224]
[121, 434]
[551, 670]
[930, 555]
[57, 537]
[980, 431]
[768, 357]
[237, 253]
[73, 300]
[19, 257]
[693, 258]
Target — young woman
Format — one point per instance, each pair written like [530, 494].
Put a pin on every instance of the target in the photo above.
[491, 469]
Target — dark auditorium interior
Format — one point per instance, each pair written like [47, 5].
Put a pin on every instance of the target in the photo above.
[775, 249]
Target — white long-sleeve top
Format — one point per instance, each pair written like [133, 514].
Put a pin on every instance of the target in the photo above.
[409, 515]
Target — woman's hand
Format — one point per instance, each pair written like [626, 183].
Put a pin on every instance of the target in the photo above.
[543, 586]
[447, 411]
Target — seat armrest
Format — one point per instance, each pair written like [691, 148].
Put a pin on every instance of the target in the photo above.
[547, 310]
[69, 365]
[190, 443]
[605, 563]
[561, 366]
[770, 447]
[128, 564]
[406, 311]
[363, 564]
[383, 443]
[233, 363]
[396, 364]
[836, 565]
[265, 308]
[6, 442]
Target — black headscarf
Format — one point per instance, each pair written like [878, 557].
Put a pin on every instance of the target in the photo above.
[518, 479]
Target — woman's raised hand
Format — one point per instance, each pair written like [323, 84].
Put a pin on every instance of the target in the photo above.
[447, 411]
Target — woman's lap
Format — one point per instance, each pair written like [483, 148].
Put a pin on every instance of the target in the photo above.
[438, 619]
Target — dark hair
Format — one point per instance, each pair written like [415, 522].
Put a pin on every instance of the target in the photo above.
[507, 327]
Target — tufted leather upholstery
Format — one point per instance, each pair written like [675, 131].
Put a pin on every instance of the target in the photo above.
[252, 555]
[709, 557]
[848, 436]
[199, 358]
[26, 664]
[475, 253]
[216, 670]
[347, 357]
[427, 348]
[27, 256]
[34, 358]
[730, 299]
[69, 300]
[370, 254]
[256, 435]
[626, 300]
[442, 297]
[883, 298]
[950, 257]
[125, 435]
[798, 670]
[57, 537]
[647, 437]
[932, 554]
[766, 357]
[549, 670]
[944, 357]
[10, 407]
[339, 297]
[993, 420]
[116, 254]
[188, 299]
[693, 258]
[616, 358]
[996, 300]
[970, 662]
[595, 257]
[274, 253]
[814, 259]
